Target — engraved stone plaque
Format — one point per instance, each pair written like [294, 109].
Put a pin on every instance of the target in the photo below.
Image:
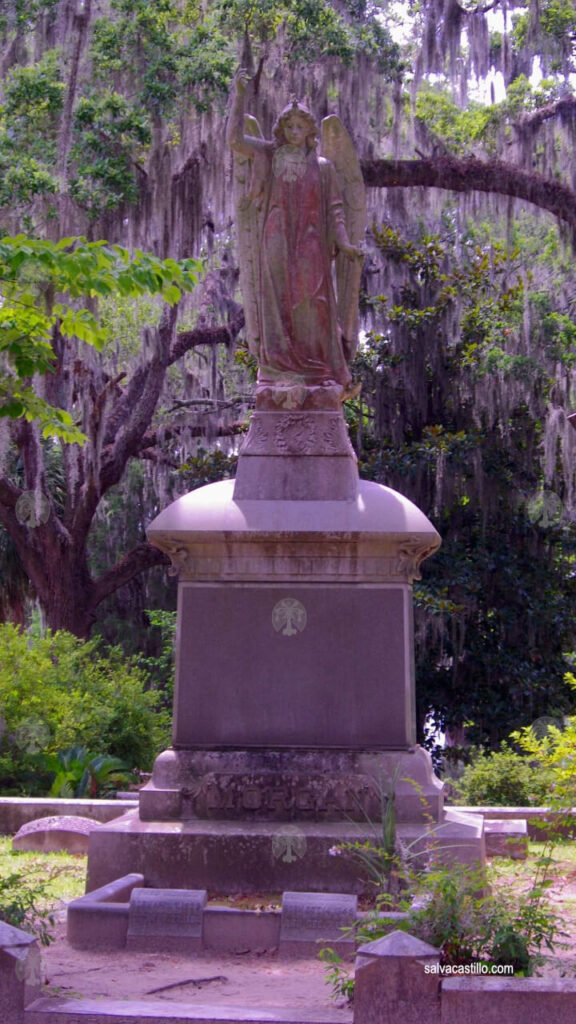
[162, 920]
[261, 665]
[311, 919]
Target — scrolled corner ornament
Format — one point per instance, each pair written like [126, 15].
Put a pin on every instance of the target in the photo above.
[411, 553]
[179, 555]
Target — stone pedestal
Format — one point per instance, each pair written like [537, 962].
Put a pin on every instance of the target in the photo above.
[297, 447]
[294, 699]
[294, 654]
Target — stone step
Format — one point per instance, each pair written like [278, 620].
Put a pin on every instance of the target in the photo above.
[47, 1010]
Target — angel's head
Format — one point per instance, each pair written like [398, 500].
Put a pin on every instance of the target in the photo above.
[296, 126]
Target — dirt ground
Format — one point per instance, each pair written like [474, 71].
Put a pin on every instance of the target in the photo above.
[252, 980]
[243, 980]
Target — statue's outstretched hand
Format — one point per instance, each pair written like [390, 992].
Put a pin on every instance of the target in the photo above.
[353, 252]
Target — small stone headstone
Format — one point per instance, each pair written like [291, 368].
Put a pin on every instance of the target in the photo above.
[506, 838]
[60, 832]
[166, 920]
[311, 920]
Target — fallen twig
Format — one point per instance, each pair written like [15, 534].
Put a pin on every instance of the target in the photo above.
[188, 981]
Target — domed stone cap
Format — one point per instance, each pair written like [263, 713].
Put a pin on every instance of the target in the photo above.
[376, 509]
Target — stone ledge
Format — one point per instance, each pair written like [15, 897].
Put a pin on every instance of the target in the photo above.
[541, 822]
[275, 857]
[113, 1011]
[16, 811]
[514, 1000]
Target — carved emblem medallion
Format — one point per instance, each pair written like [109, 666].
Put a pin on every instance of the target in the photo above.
[289, 844]
[289, 616]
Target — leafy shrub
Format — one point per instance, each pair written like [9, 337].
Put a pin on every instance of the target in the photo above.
[504, 778]
[454, 909]
[22, 904]
[57, 691]
[78, 773]
[555, 750]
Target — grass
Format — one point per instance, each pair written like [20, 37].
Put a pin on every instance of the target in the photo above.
[562, 867]
[62, 874]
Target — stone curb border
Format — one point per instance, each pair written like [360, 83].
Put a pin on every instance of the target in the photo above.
[307, 921]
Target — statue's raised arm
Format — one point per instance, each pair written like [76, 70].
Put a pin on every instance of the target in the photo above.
[292, 221]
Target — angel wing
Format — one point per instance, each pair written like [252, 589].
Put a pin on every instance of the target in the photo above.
[248, 233]
[337, 146]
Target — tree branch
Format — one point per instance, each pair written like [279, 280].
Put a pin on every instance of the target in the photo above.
[472, 175]
[152, 437]
[140, 558]
[564, 108]
[9, 495]
[222, 335]
[139, 403]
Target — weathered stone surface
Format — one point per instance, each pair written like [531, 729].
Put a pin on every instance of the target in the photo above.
[397, 944]
[297, 433]
[296, 785]
[298, 398]
[542, 823]
[304, 214]
[162, 920]
[229, 930]
[295, 856]
[290, 477]
[460, 836]
[506, 838]
[513, 1000]
[312, 920]
[68, 832]
[117, 1011]
[286, 676]
[20, 973]
[99, 919]
[377, 536]
[297, 448]
[392, 984]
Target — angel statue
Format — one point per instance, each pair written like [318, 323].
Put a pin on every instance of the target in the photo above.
[295, 213]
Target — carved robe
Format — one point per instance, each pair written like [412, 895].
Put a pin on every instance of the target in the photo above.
[300, 337]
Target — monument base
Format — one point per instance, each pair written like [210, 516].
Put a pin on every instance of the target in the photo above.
[227, 857]
[291, 785]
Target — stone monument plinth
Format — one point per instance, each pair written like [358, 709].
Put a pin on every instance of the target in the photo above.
[294, 653]
[294, 699]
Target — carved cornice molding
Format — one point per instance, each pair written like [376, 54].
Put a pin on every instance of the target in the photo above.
[313, 558]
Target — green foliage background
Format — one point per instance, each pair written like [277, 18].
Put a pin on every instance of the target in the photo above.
[468, 354]
[57, 691]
